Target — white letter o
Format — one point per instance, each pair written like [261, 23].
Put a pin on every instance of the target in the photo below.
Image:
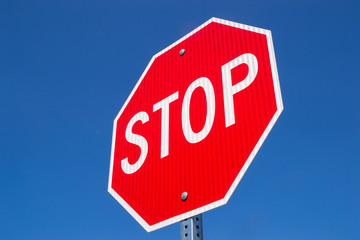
[189, 134]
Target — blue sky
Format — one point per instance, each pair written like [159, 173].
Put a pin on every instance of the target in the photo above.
[67, 67]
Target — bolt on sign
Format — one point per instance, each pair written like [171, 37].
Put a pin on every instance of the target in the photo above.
[194, 122]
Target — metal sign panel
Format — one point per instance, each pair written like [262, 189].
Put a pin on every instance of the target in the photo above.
[194, 122]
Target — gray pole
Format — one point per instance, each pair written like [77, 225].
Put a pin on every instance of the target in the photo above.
[191, 228]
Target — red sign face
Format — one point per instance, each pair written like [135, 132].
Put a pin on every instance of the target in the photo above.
[194, 122]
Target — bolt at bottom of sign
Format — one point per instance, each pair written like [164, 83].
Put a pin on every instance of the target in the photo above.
[184, 196]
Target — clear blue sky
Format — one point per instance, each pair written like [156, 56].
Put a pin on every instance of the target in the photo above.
[67, 67]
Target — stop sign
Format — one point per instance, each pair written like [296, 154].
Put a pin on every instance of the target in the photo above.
[194, 122]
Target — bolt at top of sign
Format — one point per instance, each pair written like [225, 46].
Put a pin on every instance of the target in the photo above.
[194, 122]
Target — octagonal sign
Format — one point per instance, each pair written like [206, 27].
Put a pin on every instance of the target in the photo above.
[194, 122]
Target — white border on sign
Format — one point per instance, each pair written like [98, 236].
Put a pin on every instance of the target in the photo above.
[223, 201]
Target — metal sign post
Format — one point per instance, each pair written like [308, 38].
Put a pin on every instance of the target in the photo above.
[191, 228]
